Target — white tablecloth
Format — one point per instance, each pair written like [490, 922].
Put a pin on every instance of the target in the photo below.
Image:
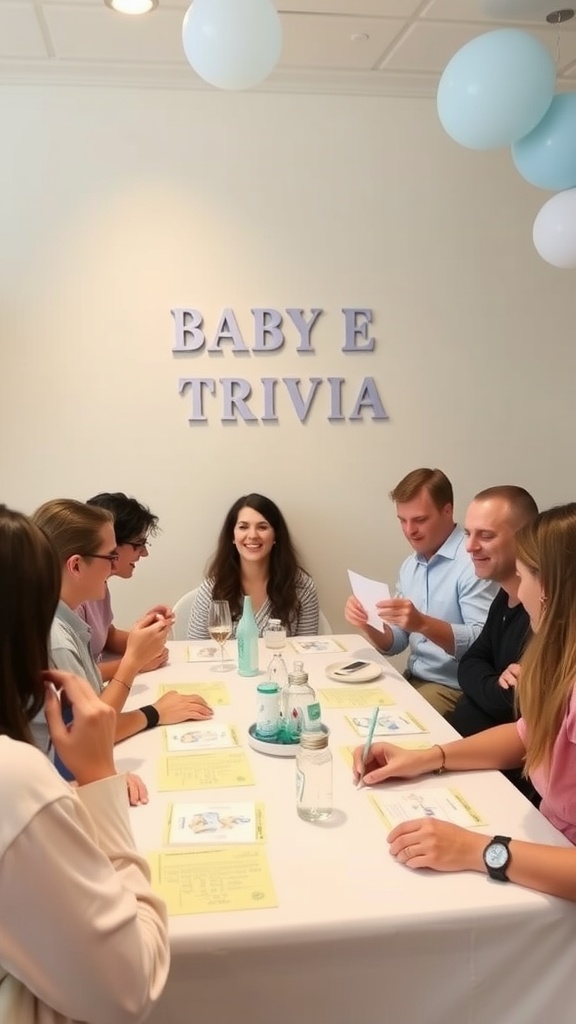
[356, 936]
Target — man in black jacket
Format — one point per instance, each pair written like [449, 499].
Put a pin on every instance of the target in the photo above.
[488, 671]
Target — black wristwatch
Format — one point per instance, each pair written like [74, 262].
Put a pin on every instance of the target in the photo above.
[497, 858]
[151, 715]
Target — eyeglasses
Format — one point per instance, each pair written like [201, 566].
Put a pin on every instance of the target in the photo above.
[139, 545]
[109, 558]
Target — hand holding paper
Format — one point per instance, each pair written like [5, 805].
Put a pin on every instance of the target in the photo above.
[369, 592]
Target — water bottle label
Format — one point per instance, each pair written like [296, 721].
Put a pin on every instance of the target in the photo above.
[314, 715]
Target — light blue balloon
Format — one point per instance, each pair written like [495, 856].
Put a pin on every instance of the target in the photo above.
[547, 156]
[496, 89]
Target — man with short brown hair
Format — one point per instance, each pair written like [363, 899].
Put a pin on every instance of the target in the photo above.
[440, 604]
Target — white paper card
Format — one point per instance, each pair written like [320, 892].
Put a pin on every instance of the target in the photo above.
[368, 593]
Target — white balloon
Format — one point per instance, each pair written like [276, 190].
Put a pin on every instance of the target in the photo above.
[232, 44]
[554, 231]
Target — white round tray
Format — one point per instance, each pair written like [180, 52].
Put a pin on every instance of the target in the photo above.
[273, 749]
[364, 675]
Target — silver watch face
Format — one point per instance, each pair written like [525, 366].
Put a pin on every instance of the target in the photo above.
[496, 855]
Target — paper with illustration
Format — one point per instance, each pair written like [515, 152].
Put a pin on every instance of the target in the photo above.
[191, 824]
[444, 803]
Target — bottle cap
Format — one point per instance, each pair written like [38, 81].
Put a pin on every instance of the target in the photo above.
[269, 687]
[298, 674]
[313, 740]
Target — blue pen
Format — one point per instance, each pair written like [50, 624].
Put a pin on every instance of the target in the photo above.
[368, 744]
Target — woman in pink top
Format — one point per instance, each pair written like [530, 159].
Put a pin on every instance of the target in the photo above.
[542, 742]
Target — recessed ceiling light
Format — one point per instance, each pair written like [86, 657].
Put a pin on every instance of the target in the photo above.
[558, 17]
[132, 6]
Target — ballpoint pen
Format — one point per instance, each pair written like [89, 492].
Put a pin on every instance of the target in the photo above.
[367, 745]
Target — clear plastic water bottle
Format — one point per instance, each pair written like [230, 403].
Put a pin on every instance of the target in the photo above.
[247, 637]
[314, 777]
[299, 708]
[275, 634]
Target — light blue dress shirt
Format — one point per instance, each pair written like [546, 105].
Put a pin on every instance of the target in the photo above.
[445, 587]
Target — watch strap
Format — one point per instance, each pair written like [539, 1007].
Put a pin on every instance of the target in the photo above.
[151, 715]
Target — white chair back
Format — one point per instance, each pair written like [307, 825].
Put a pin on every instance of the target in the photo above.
[324, 627]
[183, 610]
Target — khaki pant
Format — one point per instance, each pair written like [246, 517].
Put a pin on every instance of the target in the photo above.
[442, 698]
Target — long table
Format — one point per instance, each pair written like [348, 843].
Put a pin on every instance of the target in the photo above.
[357, 937]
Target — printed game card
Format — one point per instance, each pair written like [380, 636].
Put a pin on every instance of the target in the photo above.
[316, 645]
[215, 823]
[445, 804]
[190, 736]
[203, 880]
[390, 723]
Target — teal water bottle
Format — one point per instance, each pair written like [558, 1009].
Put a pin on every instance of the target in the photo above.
[247, 637]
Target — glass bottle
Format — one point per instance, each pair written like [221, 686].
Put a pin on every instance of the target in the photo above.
[314, 777]
[277, 671]
[299, 707]
[247, 637]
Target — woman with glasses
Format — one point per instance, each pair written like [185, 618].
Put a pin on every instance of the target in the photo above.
[97, 949]
[133, 524]
[84, 539]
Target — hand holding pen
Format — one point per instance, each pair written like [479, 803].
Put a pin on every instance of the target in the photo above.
[366, 747]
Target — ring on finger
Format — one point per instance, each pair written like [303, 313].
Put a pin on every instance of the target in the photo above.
[408, 852]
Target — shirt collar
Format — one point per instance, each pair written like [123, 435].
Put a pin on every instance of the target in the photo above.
[65, 614]
[449, 548]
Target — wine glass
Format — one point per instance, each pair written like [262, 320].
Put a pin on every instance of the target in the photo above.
[220, 628]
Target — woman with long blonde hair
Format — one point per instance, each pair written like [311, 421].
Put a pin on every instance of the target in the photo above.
[542, 742]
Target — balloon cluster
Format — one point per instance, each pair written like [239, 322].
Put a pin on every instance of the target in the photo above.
[498, 90]
[232, 44]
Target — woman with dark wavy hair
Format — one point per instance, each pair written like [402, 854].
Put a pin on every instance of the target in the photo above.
[255, 557]
[98, 947]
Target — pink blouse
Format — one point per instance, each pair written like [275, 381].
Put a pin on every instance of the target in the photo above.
[557, 785]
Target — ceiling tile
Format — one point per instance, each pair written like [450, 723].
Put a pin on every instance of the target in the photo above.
[312, 41]
[99, 34]
[20, 34]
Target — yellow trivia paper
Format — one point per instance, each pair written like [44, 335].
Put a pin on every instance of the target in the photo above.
[215, 694]
[352, 697]
[216, 770]
[216, 879]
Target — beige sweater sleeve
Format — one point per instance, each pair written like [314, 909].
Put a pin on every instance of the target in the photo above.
[80, 927]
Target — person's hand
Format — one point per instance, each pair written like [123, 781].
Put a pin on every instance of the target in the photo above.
[157, 662]
[429, 843]
[355, 613]
[85, 746]
[399, 611]
[386, 761]
[164, 611]
[509, 677]
[137, 791]
[175, 707]
[147, 638]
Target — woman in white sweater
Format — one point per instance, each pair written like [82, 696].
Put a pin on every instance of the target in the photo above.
[82, 937]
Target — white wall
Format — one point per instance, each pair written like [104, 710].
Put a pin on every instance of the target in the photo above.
[118, 205]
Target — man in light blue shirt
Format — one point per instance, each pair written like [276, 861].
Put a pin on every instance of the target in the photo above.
[440, 604]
